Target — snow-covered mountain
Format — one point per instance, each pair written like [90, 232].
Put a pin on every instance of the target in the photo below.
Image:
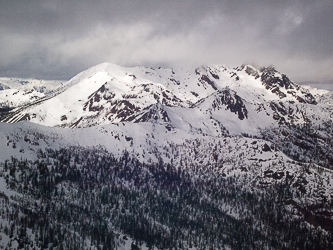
[28, 84]
[15, 92]
[224, 137]
[242, 99]
[209, 100]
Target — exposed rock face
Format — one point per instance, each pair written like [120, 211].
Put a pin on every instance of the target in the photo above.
[271, 79]
[206, 79]
[251, 71]
[277, 82]
[232, 102]
[152, 114]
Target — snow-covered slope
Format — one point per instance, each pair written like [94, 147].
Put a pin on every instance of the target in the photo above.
[326, 98]
[16, 92]
[316, 91]
[14, 98]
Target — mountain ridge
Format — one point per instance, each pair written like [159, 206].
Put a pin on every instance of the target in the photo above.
[209, 100]
[119, 86]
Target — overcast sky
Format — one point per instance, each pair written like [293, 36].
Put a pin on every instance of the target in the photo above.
[57, 39]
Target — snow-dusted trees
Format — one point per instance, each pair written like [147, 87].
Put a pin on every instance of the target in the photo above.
[82, 197]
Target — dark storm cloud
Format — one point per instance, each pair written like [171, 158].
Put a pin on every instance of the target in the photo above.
[57, 39]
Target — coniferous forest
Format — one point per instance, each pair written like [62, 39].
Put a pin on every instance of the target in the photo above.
[78, 198]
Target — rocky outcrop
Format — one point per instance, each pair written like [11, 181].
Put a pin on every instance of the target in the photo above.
[231, 101]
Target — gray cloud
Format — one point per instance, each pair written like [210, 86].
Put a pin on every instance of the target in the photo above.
[57, 39]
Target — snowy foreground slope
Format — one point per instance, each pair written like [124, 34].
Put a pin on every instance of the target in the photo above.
[169, 158]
